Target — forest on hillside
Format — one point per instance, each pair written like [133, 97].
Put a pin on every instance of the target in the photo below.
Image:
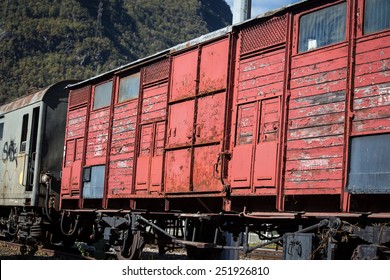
[45, 41]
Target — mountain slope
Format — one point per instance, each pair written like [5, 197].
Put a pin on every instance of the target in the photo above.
[44, 41]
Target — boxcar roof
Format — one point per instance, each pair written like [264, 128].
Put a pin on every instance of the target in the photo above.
[204, 38]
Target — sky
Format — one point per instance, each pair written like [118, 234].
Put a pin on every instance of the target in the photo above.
[262, 6]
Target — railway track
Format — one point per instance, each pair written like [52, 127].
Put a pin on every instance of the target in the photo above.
[16, 251]
[264, 254]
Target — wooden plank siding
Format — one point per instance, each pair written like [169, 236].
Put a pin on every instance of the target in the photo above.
[371, 102]
[315, 134]
[121, 165]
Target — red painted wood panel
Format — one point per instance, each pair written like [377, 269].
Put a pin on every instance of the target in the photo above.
[121, 167]
[150, 159]
[315, 131]
[327, 141]
[120, 178]
[320, 120]
[74, 146]
[157, 159]
[180, 123]
[177, 166]
[265, 164]
[213, 66]
[154, 102]
[65, 182]
[75, 177]
[210, 118]
[241, 162]
[313, 187]
[76, 123]
[205, 173]
[371, 103]
[79, 149]
[97, 137]
[144, 156]
[70, 152]
[257, 145]
[266, 150]
[261, 75]
[241, 166]
[183, 81]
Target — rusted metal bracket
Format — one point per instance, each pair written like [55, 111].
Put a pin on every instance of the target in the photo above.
[321, 224]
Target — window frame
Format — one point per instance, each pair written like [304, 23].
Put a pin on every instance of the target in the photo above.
[118, 97]
[364, 164]
[296, 30]
[362, 21]
[1, 130]
[24, 133]
[93, 181]
[94, 95]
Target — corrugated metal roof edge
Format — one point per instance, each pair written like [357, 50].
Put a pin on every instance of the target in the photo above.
[204, 38]
[28, 99]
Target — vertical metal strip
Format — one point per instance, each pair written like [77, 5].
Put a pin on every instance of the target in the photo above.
[85, 145]
[196, 98]
[170, 65]
[109, 140]
[227, 132]
[345, 196]
[228, 140]
[255, 140]
[281, 166]
[151, 155]
[64, 152]
[137, 140]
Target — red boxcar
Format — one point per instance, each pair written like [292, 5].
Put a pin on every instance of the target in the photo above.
[285, 113]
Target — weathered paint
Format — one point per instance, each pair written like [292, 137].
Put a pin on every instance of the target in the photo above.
[210, 118]
[97, 137]
[183, 76]
[154, 102]
[260, 83]
[261, 75]
[206, 173]
[122, 149]
[150, 159]
[181, 122]
[177, 171]
[213, 66]
[371, 103]
[74, 144]
[315, 131]
[290, 112]
[255, 156]
[25, 151]
[197, 120]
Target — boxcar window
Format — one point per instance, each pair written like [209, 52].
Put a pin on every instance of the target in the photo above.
[376, 15]
[1, 130]
[93, 180]
[369, 170]
[23, 137]
[129, 87]
[323, 27]
[102, 97]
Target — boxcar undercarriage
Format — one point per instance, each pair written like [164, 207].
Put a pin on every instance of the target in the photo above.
[208, 236]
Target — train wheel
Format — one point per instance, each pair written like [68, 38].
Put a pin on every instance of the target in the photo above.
[131, 248]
